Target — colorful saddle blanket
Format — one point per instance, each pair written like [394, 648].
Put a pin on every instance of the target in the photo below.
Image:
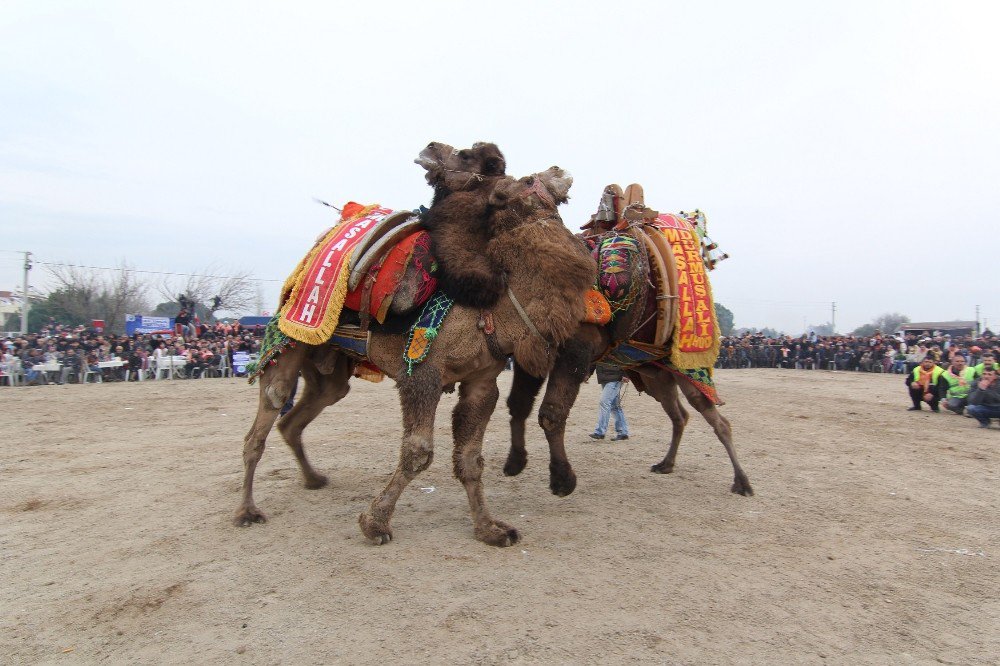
[695, 342]
[360, 264]
[313, 295]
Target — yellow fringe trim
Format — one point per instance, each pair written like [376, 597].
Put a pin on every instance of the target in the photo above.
[293, 286]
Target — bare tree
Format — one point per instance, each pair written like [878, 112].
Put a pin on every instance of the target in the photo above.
[84, 294]
[212, 290]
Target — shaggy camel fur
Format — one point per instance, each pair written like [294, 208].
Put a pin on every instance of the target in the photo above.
[458, 223]
[549, 285]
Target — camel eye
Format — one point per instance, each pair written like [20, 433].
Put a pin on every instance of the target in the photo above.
[529, 181]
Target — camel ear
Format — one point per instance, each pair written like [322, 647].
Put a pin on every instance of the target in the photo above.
[557, 182]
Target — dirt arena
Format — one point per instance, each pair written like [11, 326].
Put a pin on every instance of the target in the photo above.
[872, 539]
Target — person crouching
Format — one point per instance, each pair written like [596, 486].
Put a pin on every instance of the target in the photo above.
[926, 384]
[960, 378]
[984, 398]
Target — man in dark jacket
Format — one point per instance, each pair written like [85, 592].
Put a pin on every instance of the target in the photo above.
[611, 380]
[984, 398]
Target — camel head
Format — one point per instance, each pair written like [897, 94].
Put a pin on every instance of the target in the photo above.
[454, 170]
[532, 198]
[546, 189]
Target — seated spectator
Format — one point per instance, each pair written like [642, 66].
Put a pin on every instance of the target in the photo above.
[71, 366]
[984, 398]
[92, 361]
[33, 377]
[119, 374]
[960, 378]
[926, 384]
[138, 362]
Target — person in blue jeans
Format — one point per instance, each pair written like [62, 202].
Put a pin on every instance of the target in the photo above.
[984, 398]
[611, 380]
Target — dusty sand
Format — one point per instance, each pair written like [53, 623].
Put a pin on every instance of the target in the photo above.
[873, 536]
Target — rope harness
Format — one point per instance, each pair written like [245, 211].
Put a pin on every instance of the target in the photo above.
[527, 320]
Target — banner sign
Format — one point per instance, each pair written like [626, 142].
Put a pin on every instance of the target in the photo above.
[240, 362]
[148, 324]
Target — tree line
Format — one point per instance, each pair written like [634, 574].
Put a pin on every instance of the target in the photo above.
[81, 295]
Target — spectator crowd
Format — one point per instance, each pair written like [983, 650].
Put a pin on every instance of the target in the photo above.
[960, 372]
[875, 353]
[80, 351]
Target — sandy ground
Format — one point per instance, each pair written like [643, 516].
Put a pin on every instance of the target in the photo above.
[872, 539]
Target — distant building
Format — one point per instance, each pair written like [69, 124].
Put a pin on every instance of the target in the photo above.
[955, 328]
[10, 311]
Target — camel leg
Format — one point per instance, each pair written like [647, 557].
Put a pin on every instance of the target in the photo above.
[719, 423]
[276, 385]
[568, 373]
[664, 390]
[476, 400]
[523, 391]
[320, 392]
[419, 395]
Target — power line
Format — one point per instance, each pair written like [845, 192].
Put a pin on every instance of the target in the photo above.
[136, 270]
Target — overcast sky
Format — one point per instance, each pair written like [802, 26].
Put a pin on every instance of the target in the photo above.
[844, 152]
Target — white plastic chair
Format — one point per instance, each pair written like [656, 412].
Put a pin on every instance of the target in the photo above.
[13, 373]
[87, 372]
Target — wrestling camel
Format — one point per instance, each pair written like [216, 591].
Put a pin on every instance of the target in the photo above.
[572, 365]
[547, 274]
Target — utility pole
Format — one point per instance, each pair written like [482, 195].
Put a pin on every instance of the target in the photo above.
[979, 331]
[833, 317]
[25, 306]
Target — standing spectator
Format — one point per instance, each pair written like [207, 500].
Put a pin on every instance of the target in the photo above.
[611, 380]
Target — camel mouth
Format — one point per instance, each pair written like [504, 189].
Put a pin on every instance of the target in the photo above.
[434, 155]
[427, 161]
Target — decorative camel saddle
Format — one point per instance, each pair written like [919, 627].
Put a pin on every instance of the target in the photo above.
[375, 262]
[653, 270]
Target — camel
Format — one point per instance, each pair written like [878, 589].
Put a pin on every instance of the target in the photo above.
[571, 368]
[547, 275]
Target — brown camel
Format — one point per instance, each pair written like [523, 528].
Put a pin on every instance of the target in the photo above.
[547, 273]
[572, 366]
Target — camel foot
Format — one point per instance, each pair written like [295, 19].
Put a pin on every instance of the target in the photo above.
[562, 480]
[516, 462]
[741, 486]
[497, 533]
[248, 515]
[663, 467]
[373, 530]
[315, 481]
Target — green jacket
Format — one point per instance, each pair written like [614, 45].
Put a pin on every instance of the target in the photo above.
[936, 380]
[979, 369]
[960, 385]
